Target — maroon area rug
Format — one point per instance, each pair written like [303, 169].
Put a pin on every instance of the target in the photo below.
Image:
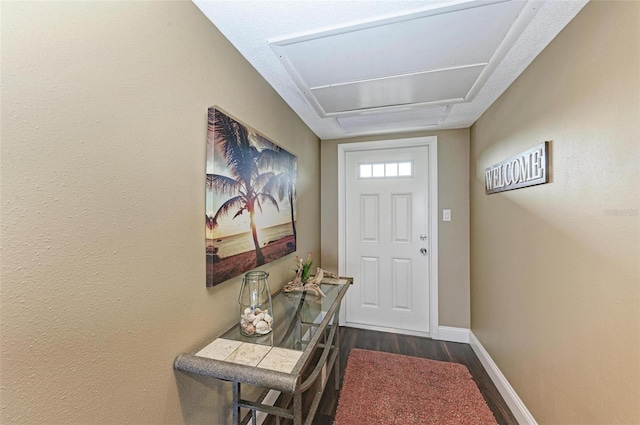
[383, 389]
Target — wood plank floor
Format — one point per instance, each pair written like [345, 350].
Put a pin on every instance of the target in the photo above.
[417, 347]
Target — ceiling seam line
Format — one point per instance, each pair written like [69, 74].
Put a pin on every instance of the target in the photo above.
[388, 77]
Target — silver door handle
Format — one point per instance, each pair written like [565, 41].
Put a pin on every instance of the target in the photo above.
[423, 251]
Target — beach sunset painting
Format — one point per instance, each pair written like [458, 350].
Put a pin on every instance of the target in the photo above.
[250, 199]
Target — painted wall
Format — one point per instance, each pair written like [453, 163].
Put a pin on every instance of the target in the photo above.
[453, 193]
[104, 118]
[555, 269]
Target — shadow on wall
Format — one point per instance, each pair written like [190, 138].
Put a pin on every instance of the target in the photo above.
[207, 400]
[204, 399]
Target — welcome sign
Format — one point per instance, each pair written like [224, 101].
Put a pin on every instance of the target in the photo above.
[528, 168]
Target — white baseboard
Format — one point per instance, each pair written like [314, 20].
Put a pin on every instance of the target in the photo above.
[384, 329]
[509, 395]
[448, 333]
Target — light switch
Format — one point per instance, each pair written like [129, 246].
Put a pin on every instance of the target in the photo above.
[446, 215]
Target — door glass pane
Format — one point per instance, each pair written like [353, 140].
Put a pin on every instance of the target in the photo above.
[391, 169]
[365, 171]
[378, 170]
[404, 169]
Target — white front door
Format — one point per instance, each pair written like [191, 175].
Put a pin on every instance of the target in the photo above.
[387, 238]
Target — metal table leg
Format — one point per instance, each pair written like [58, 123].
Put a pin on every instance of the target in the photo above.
[297, 409]
[336, 322]
[236, 400]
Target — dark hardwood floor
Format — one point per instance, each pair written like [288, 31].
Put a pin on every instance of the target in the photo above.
[417, 347]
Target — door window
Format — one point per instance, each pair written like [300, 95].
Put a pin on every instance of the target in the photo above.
[385, 169]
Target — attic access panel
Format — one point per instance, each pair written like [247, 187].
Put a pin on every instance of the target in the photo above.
[407, 119]
[431, 57]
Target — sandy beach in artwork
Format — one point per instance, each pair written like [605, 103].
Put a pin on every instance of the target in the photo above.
[235, 265]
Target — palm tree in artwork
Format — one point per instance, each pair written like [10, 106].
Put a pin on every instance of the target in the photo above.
[283, 184]
[246, 187]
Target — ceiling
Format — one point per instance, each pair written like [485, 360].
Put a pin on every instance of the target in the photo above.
[351, 68]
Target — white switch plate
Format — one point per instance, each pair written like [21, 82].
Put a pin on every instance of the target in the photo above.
[446, 215]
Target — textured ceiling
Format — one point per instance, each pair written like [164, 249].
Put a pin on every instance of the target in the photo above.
[350, 68]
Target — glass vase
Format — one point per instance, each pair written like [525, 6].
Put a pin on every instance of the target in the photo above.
[256, 308]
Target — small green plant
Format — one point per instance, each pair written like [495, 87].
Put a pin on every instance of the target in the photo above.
[305, 266]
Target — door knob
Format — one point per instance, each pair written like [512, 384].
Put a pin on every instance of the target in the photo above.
[423, 251]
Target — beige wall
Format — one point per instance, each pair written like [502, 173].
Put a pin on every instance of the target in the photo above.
[453, 193]
[555, 269]
[104, 117]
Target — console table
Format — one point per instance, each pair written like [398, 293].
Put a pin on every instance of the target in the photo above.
[298, 355]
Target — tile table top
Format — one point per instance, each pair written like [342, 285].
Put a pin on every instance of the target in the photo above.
[262, 356]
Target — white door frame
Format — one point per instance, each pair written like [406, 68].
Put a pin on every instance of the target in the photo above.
[432, 143]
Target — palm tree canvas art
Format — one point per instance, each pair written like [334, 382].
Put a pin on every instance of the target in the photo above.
[250, 199]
